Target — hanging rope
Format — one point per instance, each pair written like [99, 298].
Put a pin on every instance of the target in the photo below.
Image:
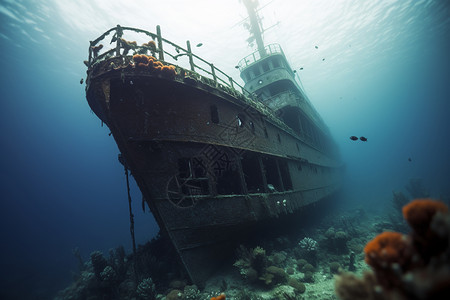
[131, 213]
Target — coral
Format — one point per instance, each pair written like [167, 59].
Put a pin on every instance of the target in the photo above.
[330, 233]
[308, 249]
[301, 263]
[127, 46]
[267, 278]
[336, 240]
[278, 258]
[146, 289]
[245, 294]
[168, 71]
[191, 292]
[340, 241]
[99, 263]
[308, 277]
[308, 268]
[220, 297]
[174, 295]
[355, 245]
[414, 266]
[297, 285]
[284, 292]
[151, 45]
[251, 263]
[388, 253]
[278, 275]
[118, 261]
[126, 277]
[348, 286]
[335, 267]
[126, 288]
[387, 248]
[145, 47]
[144, 62]
[308, 244]
[108, 275]
[419, 213]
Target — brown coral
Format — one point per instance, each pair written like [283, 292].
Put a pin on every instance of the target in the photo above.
[416, 266]
[220, 297]
[419, 213]
[348, 286]
[150, 63]
[387, 248]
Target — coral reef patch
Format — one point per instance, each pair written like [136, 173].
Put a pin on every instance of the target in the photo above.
[413, 266]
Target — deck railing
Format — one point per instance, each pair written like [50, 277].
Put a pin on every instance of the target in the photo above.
[194, 63]
[255, 56]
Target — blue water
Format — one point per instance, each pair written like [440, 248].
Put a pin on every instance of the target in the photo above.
[386, 75]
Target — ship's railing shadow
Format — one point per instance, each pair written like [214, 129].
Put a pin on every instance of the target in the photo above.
[159, 47]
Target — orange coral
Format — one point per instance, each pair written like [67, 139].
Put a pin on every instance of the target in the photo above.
[168, 71]
[220, 297]
[143, 61]
[410, 266]
[138, 58]
[419, 213]
[386, 248]
[151, 45]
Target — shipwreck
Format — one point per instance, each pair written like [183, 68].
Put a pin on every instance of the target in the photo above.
[211, 157]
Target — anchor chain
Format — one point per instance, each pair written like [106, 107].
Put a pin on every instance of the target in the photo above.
[129, 204]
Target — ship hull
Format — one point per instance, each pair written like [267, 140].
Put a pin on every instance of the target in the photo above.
[208, 163]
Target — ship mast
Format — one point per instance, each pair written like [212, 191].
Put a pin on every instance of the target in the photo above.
[255, 29]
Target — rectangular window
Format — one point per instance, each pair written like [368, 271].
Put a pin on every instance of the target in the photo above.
[272, 175]
[252, 173]
[285, 175]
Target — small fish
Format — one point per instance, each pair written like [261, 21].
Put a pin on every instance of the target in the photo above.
[409, 159]
[301, 68]
[236, 67]
[323, 59]
[354, 138]
[199, 44]
[81, 81]
[316, 47]
[364, 139]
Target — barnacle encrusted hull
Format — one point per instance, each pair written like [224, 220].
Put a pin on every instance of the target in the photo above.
[209, 160]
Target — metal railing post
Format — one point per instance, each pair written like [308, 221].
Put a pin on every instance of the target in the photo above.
[160, 44]
[213, 72]
[189, 53]
[118, 30]
[90, 54]
[231, 82]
